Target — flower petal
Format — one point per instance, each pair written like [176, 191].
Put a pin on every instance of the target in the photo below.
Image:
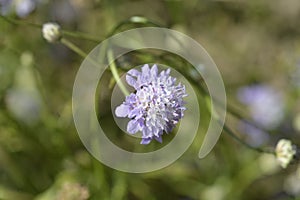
[154, 71]
[146, 140]
[133, 127]
[131, 81]
[122, 110]
[134, 72]
[145, 69]
[136, 112]
[159, 139]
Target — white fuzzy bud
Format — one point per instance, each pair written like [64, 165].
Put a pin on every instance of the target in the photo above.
[285, 152]
[51, 32]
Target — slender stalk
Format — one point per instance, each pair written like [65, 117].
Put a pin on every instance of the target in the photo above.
[84, 36]
[19, 22]
[76, 34]
[113, 66]
[234, 136]
[81, 36]
[133, 20]
[114, 72]
[73, 47]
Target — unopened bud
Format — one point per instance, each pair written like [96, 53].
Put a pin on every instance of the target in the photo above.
[51, 32]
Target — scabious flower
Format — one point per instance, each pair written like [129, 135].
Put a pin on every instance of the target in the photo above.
[51, 32]
[285, 152]
[156, 106]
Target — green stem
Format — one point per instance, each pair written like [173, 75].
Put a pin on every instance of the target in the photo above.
[81, 36]
[19, 22]
[234, 136]
[84, 36]
[134, 20]
[114, 72]
[77, 50]
[73, 47]
[112, 64]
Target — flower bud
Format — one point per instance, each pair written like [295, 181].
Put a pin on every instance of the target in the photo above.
[285, 152]
[51, 32]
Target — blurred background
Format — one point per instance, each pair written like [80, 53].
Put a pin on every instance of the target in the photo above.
[256, 46]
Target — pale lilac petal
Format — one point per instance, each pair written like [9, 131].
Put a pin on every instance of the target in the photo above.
[154, 71]
[168, 71]
[133, 127]
[162, 73]
[134, 113]
[146, 140]
[134, 72]
[145, 70]
[159, 139]
[131, 99]
[122, 110]
[131, 81]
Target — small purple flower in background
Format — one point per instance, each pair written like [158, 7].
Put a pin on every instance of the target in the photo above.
[25, 7]
[265, 103]
[21, 7]
[156, 106]
[5, 6]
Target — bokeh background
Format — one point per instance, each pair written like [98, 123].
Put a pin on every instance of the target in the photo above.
[256, 46]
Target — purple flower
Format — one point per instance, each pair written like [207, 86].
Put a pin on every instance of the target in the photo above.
[21, 7]
[25, 7]
[5, 6]
[156, 106]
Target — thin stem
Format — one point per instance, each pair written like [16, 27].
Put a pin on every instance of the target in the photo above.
[114, 72]
[134, 20]
[77, 50]
[73, 47]
[84, 36]
[76, 34]
[81, 36]
[234, 136]
[19, 22]
[112, 64]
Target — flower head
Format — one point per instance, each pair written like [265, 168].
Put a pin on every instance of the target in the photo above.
[156, 106]
[51, 32]
[285, 152]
